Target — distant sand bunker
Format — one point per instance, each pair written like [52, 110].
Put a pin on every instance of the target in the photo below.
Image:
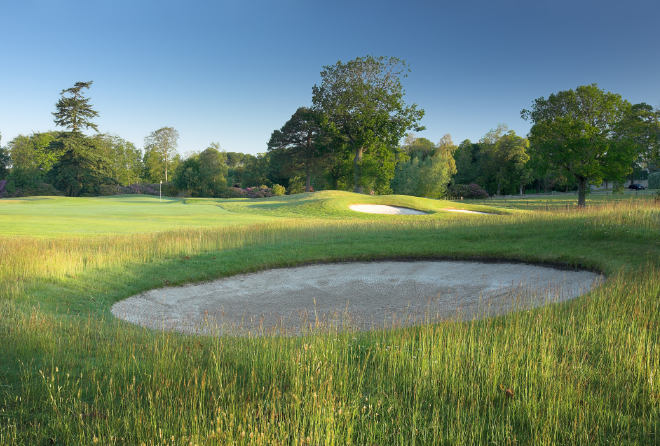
[354, 295]
[384, 209]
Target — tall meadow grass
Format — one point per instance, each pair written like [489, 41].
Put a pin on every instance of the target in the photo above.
[580, 372]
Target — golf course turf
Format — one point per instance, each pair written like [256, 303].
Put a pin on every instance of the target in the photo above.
[579, 372]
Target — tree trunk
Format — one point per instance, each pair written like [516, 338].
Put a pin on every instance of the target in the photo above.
[499, 187]
[357, 161]
[521, 189]
[582, 192]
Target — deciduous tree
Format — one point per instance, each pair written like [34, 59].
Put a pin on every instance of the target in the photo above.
[362, 102]
[429, 169]
[212, 171]
[577, 131]
[123, 160]
[160, 149]
[641, 127]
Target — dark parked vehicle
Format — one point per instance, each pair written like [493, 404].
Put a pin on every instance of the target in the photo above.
[636, 187]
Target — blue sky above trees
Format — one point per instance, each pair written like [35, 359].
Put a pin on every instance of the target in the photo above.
[234, 71]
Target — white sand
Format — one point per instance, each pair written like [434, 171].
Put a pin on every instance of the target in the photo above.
[397, 210]
[361, 295]
[384, 209]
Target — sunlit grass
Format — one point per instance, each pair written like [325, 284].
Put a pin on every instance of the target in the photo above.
[47, 217]
[580, 372]
[568, 200]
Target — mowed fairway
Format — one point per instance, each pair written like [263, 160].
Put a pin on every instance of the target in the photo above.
[580, 372]
[62, 216]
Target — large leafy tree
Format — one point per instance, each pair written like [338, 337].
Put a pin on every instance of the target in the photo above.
[74, 111]
[362, 102]
[509, 157]
[499, 162]
[641, 126]
[428, 170]
[160, 151]
[300, 144]
[186, 175]
[467, 158]
[33, 156]
[236, 162]
[579, 132]
[256, 170]
[212, 171]
[203, 174]
[123, 160]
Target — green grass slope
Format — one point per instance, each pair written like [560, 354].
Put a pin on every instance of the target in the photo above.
[62, 216]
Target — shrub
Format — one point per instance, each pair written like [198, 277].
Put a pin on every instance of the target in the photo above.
[235, 192]
[475, 191]
[296, 185]
[12, 190]
[259, 192]
[617, 187]
[168, 189]
[278, 190]
[109, 189]
[249, 192]
[654, 180]
[471, 190]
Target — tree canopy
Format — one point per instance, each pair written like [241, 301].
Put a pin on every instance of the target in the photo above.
[74, 111]
[428, 170]
[300, 144]
[362, 102]
[5, 161]
[350, 138]
[579, 132]
[160, 150]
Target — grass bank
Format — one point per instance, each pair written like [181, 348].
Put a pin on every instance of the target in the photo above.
[585, 371]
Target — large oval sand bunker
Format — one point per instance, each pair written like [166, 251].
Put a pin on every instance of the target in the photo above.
[354, 295]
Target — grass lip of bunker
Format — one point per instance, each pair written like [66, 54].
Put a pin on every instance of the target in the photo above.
[467, 211]
[356, 295]
[385, 209]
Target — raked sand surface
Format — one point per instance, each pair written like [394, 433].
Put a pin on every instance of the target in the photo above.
[398, 210]
[384, 209]
[360, 295]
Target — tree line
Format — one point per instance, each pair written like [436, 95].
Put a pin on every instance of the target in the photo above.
[358, 134]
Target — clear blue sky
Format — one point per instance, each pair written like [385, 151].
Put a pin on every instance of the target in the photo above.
[232, 71]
